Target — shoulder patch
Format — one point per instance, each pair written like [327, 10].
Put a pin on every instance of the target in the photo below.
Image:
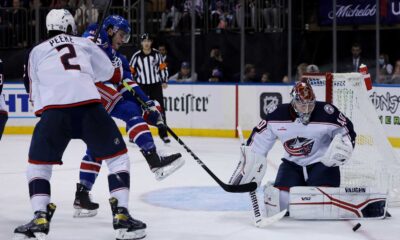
[329, 109]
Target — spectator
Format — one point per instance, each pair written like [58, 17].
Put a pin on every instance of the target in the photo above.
[270, 14]
[184, 75]
[395, 79]
[172, 13]
[171, 63]
[250, 73]
[301, 69]
[85, 15]
[215, 61]
[385, 68]
[186, 16]
[312, 68]
[220, 16]
[216, 75]
[17, 22]
[356, 60]
[265, 78]
[286, 80]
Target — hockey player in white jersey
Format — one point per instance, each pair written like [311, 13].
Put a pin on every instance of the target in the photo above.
[317, 139]
[3, 111]
[63, 71]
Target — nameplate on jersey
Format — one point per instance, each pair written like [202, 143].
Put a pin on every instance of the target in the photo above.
[60, 39]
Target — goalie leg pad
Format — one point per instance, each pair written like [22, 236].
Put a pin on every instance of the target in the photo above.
[337, 203]
[271, 199]
[251, 167]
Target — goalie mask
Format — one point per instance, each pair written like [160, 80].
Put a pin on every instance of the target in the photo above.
[303, 101]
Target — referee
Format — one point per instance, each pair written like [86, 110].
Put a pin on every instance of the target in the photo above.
[151, 74]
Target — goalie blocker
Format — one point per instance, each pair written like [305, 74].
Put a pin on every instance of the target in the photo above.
[337, 203]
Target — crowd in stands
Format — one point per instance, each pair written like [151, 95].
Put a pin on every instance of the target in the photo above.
[17, 28]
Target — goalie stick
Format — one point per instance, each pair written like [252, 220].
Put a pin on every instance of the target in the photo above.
[248, 187]
[259, 221]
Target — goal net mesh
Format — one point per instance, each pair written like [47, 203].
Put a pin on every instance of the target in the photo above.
[374, 163]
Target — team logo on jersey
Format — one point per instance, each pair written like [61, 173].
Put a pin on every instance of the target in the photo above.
[329, 109]
[299, 146]
[268, 103]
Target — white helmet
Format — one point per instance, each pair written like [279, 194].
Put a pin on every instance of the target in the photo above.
[59, 20]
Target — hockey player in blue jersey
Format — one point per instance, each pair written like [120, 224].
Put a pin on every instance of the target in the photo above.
[122, 105]
[3, 112]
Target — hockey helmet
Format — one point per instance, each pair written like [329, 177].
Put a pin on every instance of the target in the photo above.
[102, 39]
[303, 100]
[118, 23]
[60, 20]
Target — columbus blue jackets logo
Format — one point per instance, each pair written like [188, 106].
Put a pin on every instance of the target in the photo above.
[299, 146]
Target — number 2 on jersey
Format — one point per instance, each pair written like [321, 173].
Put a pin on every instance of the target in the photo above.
[65, 57]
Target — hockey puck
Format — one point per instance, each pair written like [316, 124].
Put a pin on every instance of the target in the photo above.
[356, 227]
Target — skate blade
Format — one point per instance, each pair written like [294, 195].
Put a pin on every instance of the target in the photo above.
[20, 236]
[84, 213]
[164, 172]
[40, 236]
[123, 234]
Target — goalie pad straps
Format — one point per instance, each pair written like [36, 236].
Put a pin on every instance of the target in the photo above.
[271, 199]
[251, 167]
[337, 203]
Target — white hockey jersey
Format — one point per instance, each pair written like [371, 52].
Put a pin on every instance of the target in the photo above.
[303, 144]
[62, 71]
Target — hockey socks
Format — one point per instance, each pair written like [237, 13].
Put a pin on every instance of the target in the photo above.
[119, 179]
[39, 185]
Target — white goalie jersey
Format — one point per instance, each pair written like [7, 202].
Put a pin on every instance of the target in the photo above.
[62, 71]
[303, 144]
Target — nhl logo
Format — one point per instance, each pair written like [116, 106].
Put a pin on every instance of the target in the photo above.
[116, 141]
[269, 102]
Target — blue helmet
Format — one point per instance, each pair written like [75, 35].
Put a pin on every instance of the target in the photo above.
[118, 23]
[102, 40]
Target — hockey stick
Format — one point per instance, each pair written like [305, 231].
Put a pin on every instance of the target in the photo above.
[105, 13]
[259, 221]
[229, 188]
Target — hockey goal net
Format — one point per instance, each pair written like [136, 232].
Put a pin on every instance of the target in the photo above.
[374, 162]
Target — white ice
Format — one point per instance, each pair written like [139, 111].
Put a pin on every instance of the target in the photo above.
[165, 223]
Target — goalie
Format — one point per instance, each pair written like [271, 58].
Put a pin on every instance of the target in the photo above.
[317, 139]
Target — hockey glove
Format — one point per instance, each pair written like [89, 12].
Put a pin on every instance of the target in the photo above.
[152, 115]
[339, 151]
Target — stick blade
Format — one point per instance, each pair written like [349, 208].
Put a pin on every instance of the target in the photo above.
[248, 187]
[266, 221]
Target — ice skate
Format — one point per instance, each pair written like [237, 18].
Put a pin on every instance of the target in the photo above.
[163, 166]
[126, 227]
[83, 205]
[38, 227]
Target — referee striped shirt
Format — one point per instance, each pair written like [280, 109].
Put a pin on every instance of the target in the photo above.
[150, 68]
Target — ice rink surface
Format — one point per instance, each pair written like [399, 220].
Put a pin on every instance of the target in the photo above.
[188, 205]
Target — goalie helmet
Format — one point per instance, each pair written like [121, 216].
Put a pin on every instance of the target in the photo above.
[118, 23]
[60, 20]
[303, 100]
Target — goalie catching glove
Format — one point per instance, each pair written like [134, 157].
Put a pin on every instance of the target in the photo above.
[152, 115]
[251, 167]
[339, 151]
